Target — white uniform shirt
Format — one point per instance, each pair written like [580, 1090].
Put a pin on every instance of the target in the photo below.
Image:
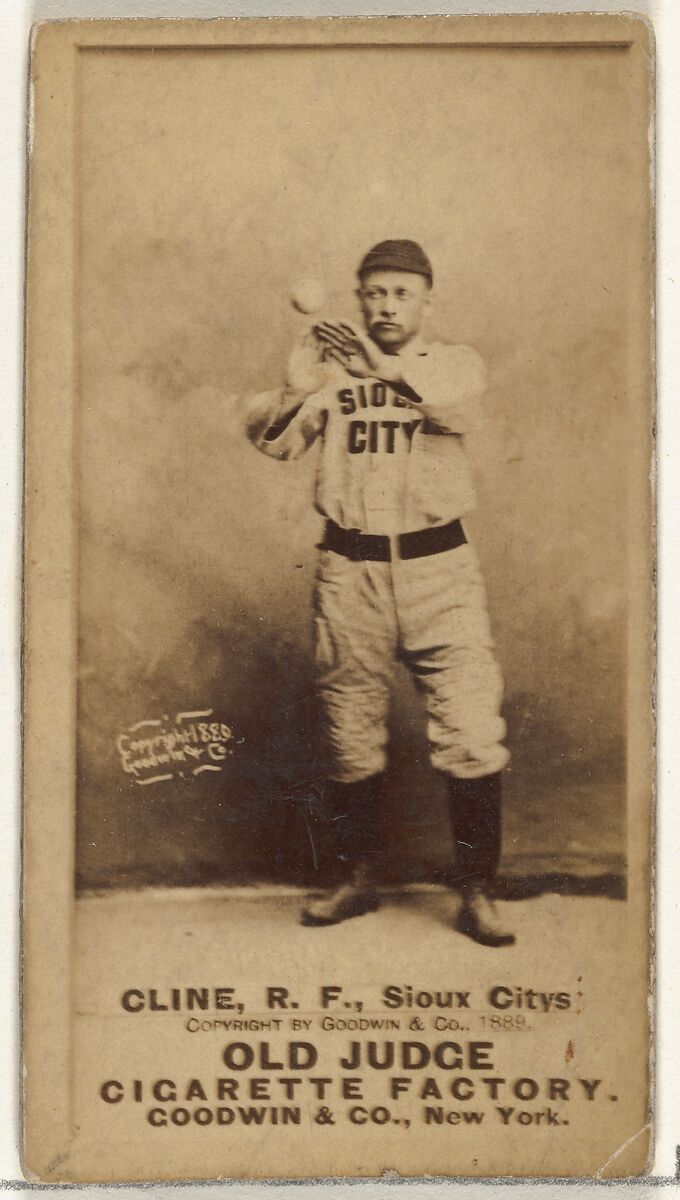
[390, 462]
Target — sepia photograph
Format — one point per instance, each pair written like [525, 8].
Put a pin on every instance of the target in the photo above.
[339, 598]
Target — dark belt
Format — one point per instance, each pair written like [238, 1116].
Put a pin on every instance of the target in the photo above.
[376, 547]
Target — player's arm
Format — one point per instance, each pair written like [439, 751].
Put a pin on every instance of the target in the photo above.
[446, 384]
[285, 422]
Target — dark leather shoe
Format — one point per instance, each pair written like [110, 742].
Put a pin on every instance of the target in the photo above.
[478, 918]
[352, 898]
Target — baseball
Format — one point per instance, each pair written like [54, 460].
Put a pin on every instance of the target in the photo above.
[308, 295]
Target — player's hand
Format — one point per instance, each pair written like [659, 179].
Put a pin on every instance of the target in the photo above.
[356, 352]
[308, 369]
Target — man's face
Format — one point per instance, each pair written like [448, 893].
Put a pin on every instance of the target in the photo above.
[393, 304]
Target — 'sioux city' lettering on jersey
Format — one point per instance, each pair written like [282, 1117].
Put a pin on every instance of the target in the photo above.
[391, 461]
[371, 433]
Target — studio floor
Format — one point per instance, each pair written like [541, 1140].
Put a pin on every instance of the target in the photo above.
[158, 935]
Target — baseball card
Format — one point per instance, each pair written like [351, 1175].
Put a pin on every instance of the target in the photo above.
[339, 630]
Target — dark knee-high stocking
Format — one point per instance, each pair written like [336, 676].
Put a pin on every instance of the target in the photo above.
[475, 808]
[353, 812]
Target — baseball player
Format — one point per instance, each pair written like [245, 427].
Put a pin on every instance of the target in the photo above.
[397, 577]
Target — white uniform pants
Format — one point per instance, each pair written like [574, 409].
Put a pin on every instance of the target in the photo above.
[430, 612]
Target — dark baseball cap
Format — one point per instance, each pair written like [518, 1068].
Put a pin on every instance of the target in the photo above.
[398, 255]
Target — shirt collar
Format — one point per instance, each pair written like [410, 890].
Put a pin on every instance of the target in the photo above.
[416, 348]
